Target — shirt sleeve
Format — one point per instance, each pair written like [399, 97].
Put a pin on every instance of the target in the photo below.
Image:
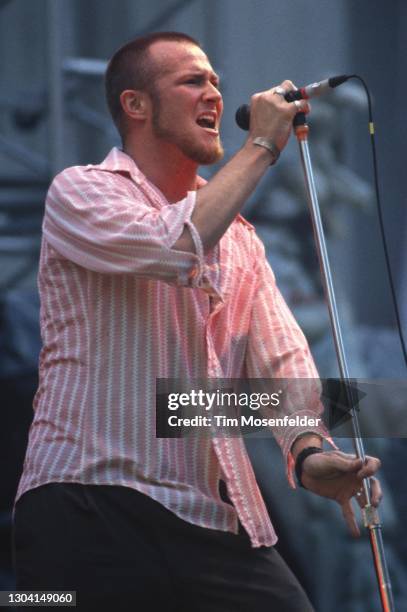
[93, 219]
[278, 354]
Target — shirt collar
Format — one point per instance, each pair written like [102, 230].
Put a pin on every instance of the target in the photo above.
[119, 161]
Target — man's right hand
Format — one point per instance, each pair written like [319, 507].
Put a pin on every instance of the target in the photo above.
[271, 116]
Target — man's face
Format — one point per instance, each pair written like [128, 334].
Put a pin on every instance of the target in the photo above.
[187, 104]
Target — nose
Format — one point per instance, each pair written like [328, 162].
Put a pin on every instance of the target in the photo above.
[212, 93]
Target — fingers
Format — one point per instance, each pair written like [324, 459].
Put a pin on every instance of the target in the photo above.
[376, 494]
[350, 519]
[369, 468]
[338, 462]
[302, 106]
[346, 506]
[366, 470]
[298, 106]
[288, 85]
[348, 464]
[276, 96]
[271, 116]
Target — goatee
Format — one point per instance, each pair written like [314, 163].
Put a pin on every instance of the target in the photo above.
[200, 153]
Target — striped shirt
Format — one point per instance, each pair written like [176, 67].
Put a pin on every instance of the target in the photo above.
[119, 309]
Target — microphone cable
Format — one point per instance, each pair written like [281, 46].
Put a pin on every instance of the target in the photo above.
[380, 215]
[315, 89]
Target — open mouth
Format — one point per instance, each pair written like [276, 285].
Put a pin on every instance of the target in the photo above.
[208, 122]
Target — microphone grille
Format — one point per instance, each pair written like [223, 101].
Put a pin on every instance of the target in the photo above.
[243, 117]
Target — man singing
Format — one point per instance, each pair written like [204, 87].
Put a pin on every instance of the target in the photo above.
[147, 272]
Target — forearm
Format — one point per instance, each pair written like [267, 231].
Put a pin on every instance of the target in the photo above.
[218, 202]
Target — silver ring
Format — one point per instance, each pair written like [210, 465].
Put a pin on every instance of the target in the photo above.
[280, 91]
[359, 493]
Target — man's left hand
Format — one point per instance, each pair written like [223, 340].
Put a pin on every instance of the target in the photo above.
[339, 476]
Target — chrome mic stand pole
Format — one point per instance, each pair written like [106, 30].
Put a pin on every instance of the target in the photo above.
[370, 514]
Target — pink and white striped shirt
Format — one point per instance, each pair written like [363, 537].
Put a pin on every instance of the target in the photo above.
[119, 308]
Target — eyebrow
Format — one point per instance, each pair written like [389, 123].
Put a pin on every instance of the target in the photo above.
[198, 72]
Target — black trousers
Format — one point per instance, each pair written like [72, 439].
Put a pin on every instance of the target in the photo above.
[117, 547]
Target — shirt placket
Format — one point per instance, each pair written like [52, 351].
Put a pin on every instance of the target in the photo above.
[223, 445]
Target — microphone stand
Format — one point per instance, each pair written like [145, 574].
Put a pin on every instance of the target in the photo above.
[370, 514]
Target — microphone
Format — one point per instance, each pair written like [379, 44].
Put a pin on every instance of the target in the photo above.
[304, 93]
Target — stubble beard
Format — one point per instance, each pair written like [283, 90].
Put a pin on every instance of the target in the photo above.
[197, 152]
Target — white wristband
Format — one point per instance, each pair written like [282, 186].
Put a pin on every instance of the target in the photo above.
[270, 146]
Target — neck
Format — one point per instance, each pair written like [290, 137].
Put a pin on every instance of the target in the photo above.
[164, 166]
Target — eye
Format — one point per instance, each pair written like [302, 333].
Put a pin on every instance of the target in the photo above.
[197, 80]
[200, 81]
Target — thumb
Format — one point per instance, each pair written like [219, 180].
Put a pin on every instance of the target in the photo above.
[355, 464]
[346, 463]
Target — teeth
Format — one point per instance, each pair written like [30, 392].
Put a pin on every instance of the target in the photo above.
[206, 121]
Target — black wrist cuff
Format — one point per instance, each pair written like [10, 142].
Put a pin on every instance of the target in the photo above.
[306, 452]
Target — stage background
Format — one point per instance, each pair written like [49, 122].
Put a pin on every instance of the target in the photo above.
[53, 115]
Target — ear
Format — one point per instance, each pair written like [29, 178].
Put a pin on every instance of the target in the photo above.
[134, 103]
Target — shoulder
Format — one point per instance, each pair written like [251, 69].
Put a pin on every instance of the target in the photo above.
[74, 175]
[88, 173]
[89, 180]
[115, 169]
